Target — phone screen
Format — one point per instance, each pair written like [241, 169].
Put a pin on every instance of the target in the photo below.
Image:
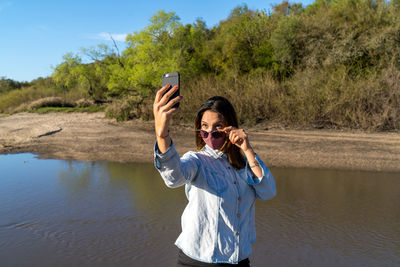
[172, 79]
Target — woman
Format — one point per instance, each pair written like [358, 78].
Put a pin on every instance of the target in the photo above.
[222, 181]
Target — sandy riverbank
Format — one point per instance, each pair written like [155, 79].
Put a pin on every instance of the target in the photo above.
[92, 137]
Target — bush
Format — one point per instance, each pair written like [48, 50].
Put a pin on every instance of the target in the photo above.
[50, 102]
[127, 108]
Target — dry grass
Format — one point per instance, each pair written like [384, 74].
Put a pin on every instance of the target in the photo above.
[50, 102]
[312, 98]
[127, 108]
[33, 97]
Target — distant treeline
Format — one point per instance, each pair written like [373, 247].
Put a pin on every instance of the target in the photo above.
[6, 85]
[331, 64]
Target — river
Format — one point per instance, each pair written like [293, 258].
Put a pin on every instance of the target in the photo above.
[72, 213]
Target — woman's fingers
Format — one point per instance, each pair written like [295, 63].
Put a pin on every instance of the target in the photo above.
[163, 95]
[237, 135]
[236, 139]
[170, 104]
[171, 111]
[164, 99]
[232, 135]
[160, 93]
[227, 129]
[161, 104]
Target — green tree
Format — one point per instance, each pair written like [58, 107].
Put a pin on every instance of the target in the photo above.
[284, 42]
[93, 77]
[7, 85]
[65, 74]
[241, 44]
[150, 53]
[189, 43]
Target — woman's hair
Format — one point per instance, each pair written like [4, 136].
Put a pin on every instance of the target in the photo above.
[222, 106]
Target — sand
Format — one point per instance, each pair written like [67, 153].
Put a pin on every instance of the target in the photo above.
[92, 137]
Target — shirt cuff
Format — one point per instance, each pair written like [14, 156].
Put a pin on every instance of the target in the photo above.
[251, 179]
[163, 157]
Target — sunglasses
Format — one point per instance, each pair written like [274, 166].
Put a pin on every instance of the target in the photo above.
[215, 134]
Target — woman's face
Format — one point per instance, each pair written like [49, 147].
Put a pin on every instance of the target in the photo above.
[212, 121]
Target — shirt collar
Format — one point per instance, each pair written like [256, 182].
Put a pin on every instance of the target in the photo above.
[215, 153]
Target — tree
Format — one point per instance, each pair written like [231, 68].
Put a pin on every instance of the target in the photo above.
[7, 85]
[150, 53]
[241, 43]
[73, 74]
[65, 74]
[189, 42]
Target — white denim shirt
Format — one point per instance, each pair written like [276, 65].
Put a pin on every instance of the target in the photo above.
[218, 224]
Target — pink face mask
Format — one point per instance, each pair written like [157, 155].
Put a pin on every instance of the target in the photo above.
[214, 139]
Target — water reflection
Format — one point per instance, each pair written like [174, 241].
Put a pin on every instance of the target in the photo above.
[102, 213]
[331, 218]
[75, 176]
[147, 191]
[145, 185]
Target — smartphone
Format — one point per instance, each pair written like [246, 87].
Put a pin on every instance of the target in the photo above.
[172, 79]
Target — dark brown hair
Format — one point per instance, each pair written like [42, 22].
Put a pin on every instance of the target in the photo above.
[222, 106]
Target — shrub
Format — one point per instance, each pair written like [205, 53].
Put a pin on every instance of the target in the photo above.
[126, 108]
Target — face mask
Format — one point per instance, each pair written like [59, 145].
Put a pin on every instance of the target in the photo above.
[214, 139]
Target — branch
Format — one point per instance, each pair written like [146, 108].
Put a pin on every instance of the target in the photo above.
[118, 54]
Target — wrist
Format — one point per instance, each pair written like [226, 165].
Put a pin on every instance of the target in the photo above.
[250, 156]
[255, 164]
[164, 134]
[249, 151]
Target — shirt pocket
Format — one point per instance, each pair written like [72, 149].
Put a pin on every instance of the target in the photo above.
[216, 180]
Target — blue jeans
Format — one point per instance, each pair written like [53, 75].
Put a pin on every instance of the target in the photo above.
[184, 261]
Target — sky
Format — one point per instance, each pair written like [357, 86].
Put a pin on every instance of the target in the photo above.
[34, 35]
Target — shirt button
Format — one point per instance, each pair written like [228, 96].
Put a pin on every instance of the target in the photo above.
[238, 215]
[237, 233]
[234, 182]
[239, 198]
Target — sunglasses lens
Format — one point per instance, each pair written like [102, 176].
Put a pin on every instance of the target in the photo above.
[218, 134]
[215, 134]
[204, 134]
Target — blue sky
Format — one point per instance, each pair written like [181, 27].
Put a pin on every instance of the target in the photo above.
[34, 35]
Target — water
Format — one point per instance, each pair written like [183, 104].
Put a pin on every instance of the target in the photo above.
[69, 213]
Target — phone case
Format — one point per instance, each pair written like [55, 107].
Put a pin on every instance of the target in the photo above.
[172, 79]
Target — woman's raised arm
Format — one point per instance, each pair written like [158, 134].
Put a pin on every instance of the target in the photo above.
[163, 111]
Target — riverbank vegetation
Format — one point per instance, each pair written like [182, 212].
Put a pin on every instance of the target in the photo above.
[332, 64]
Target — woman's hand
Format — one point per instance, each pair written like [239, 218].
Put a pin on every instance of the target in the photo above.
[163, 111]
[238, 137]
